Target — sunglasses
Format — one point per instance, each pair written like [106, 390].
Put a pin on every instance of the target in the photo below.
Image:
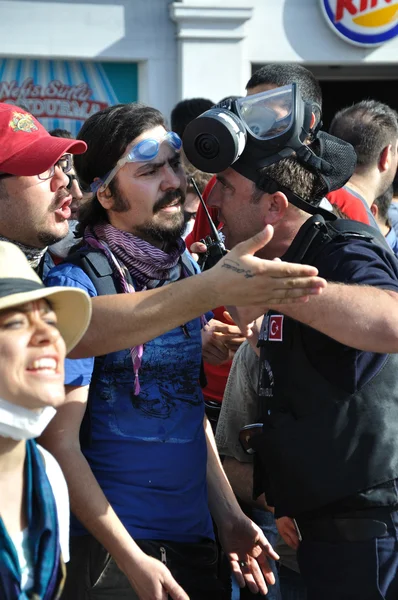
[144, 151]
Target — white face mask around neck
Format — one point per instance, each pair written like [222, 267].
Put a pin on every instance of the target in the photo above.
[19, 423]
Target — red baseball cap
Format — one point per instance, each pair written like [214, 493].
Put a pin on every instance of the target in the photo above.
[26, 148]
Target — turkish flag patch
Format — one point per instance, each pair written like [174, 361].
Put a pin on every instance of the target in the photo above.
[275, 328]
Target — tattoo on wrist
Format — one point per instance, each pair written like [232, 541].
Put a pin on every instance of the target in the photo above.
[234, 266]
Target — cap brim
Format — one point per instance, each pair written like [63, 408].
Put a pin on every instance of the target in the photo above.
[40, 155]
[71, 305]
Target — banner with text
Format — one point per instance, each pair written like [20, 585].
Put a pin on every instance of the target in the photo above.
[63, 94]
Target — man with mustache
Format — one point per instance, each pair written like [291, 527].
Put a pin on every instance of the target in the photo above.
[35, 201]
[145, 468]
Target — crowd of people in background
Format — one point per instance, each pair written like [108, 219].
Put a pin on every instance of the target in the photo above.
[216, 434]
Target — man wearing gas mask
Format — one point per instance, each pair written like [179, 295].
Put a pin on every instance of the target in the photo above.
[327, 452]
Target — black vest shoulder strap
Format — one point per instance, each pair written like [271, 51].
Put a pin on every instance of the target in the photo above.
[316, 232]
[357, 229]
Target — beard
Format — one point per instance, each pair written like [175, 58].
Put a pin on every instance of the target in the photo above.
[164, 232]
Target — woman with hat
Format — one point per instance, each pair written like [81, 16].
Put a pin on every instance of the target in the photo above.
[38, 325]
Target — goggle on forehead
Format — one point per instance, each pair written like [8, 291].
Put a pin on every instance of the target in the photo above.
[144, 151]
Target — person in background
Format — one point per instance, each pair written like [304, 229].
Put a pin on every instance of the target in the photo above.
[37, 326]
[61, 249]
[220, 340]
[192, 201]
[186, 110]
[182, 114]
[372, 129]
[239, 408]
[393, 210]
[380, 210]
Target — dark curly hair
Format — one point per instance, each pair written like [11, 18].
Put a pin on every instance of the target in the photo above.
[107, 134]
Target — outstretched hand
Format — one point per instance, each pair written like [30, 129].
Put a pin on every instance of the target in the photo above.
[242, 279]
[247, 549]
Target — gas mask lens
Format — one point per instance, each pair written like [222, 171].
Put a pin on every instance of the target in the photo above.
[267, 115]
[249, 133]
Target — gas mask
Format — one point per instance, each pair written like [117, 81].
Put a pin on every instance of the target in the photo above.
[248, 134]
[254, 131]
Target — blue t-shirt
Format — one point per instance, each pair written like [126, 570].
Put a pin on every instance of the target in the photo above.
[354, 262]
[393, 216]
[392, 240]
[148, 452]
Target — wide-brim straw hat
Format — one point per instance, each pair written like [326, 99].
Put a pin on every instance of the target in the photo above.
[19, 284]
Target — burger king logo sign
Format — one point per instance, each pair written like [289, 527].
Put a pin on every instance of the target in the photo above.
[362, 22]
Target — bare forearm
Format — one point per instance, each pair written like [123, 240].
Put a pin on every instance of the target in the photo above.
[124, 320]
[240, 476]
[222, 501]
[361, 317]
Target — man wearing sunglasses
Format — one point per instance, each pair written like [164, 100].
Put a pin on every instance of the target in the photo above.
[137, 475]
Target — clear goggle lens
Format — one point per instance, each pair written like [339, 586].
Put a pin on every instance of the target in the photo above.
[268, 114]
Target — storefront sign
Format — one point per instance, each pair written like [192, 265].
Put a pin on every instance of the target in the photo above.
[362, 22]
[61, 94]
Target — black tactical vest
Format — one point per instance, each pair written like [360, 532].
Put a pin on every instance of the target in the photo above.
[320, 443]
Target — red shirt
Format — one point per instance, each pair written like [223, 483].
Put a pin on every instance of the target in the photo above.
[350, 204]
[201, 227]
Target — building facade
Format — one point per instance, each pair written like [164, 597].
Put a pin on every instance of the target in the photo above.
[64, 59]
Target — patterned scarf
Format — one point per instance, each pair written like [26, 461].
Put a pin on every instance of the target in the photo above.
[42, 519]
[33, 255]
[147, 265]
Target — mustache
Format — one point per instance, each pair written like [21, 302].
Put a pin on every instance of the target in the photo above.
[168, 198]
[58, 199]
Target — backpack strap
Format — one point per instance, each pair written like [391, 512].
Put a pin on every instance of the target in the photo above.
[358, 229]
[97, 268]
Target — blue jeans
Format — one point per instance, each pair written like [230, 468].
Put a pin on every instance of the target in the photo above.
[266, 521]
